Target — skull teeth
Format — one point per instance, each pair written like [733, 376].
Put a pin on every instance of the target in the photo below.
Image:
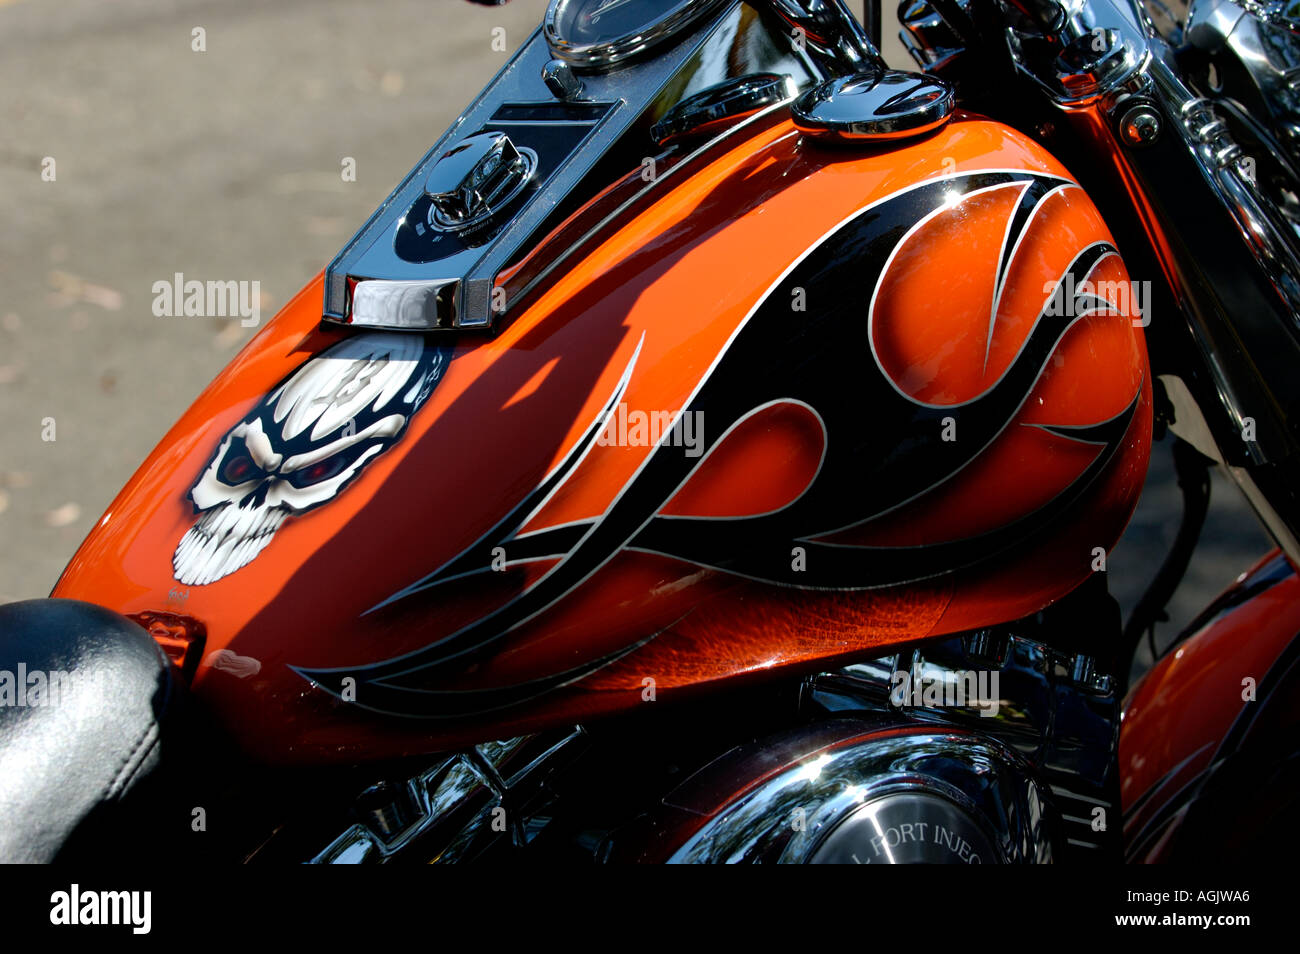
[222, 541]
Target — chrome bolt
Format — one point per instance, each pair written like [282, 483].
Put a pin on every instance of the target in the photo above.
[561, 81]
[1140, 125]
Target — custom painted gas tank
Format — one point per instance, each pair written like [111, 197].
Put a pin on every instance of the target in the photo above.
[805, 405]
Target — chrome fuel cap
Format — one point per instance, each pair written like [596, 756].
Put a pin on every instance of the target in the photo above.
[876, 105]
[475, 179]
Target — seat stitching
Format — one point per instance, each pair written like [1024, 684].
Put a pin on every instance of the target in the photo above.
[130, 757]
[144, 757]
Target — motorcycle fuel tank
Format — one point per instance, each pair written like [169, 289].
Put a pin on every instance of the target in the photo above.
[804, 405]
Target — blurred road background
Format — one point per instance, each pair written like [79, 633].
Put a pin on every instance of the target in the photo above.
[225, 165]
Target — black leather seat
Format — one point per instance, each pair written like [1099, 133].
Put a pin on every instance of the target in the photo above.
[70, 753]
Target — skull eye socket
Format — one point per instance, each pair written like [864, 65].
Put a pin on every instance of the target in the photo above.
[320, 471]
[329, 467]
[238, 470]
[239, 466]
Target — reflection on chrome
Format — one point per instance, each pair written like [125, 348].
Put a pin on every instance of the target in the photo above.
[930, 796]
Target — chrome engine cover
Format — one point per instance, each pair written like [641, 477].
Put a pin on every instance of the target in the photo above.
[834, 793]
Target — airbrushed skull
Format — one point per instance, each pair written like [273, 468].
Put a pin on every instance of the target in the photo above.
[303, 444]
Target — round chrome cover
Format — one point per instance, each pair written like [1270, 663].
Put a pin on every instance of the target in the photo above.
[599, 34]
[908, 827]
[828, 792]
[721, 105]
[877, 105]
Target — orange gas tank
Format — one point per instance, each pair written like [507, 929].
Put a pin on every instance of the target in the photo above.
[804, 405]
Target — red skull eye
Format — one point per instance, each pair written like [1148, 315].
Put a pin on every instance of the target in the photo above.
[238, 470]
[321, 470]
